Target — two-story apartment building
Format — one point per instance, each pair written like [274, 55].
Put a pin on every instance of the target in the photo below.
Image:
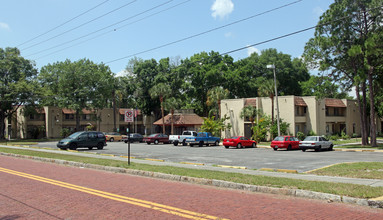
[49, 122]
[304, 114]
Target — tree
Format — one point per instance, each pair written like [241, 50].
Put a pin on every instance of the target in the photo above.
[77, 85]
[214, 97]
[267, 88]
[250, 112]
[17, 84]
[322, 87]
[350, 47]
[171, 104]
[160, 91]
[214, 126]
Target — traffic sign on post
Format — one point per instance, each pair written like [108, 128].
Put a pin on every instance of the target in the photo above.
[129, 116]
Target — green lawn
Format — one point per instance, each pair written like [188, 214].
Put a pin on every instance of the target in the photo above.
[367, 170]
[352, 190]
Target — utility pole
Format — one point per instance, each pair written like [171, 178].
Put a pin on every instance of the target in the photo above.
[276, 96]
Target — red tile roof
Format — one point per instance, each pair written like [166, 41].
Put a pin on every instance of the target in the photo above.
[181, 119]
[252, 102]
[335, 103]
[299, 101]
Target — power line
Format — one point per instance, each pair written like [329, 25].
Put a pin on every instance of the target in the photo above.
[80, 25]
[113, 30]
[205, 32]
[62, 24]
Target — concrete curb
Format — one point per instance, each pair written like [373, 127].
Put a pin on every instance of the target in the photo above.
[217, 183]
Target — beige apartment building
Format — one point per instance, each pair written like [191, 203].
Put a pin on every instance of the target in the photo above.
[49, 121]
[304, 114]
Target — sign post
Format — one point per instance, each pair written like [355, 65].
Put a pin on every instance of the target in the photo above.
[129, 117]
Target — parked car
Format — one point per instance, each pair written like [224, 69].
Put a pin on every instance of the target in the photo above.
[81, 139]
[175, 139]
[288, 142]
[239, 142]
[114, 136]
[134, 137]
[315, 142]
[156, 138]
[203, 138]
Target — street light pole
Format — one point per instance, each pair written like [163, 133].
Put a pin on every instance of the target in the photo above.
[276, 95]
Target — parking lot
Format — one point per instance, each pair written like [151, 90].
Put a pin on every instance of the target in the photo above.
[252, 158]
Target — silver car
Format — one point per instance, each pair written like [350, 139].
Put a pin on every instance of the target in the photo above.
[315, 142]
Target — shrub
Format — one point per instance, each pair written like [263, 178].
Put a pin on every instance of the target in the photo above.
[334, 137]
[301, 136]
[65, 132]
[311, 133]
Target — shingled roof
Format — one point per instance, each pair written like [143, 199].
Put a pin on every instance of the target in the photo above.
[181, 119]
[122, 111]
[334, 103]
[299, 101]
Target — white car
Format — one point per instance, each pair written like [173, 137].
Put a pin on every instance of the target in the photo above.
[315, 142]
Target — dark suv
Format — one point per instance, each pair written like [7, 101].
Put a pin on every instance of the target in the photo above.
[83, 139]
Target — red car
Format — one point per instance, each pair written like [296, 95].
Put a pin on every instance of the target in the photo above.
[239, 142]
[156, 138]
[288, 142]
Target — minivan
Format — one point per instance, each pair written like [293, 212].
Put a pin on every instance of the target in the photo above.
[83, 139]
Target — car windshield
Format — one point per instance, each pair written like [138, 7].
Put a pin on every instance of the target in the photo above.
[152, 135]
[279, 138]
[201, 135]
[310, 138]
[74, 135]
[234, 137]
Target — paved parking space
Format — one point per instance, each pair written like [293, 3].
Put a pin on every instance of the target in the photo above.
[251, 158]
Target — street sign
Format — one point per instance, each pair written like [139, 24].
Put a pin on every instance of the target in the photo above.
[129, 116]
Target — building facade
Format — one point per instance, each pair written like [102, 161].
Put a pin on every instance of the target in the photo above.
[49, 122]
[304, 114]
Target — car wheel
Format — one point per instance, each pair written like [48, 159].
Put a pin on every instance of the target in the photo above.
[175, 143]
[73, 146]
[90, 148]
[111, 139]
[239, 145]
[254, 145]
[100, 146]
[303, 150]
[156, 142]
[318, 149]
[184, 143]
[200, 143]
[216, 143]
[227, 147]
[275, 149]
[147, 142]
[330, 148]
[191, 145]
[289, 147]
[126, 142]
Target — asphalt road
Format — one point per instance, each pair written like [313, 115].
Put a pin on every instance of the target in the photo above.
[252, 158]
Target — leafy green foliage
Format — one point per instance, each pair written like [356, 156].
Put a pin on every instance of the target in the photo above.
[214, 126]
[322, 87]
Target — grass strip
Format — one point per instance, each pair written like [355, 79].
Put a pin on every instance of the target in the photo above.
[343, 189]
[366, 170]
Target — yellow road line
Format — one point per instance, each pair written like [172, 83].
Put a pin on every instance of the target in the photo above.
[129, 200]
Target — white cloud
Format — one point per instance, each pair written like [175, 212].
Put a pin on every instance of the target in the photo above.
[4, 26]
[251, 50]
[122, 73]
[222, 8]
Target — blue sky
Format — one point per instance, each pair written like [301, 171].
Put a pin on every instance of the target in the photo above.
[23, 20]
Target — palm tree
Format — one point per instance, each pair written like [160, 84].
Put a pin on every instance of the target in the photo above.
[214, 97]
[161, 91]
[171, 104]
[267, 89]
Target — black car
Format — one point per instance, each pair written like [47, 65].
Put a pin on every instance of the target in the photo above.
[134, 137]
[83, 139]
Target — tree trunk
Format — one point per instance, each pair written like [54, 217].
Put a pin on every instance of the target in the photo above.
[362, 118]
[172, 113]
[77, 120]
[372, 109]
[162, 113]
[114, 111]
[2, 125]
[272, 116]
